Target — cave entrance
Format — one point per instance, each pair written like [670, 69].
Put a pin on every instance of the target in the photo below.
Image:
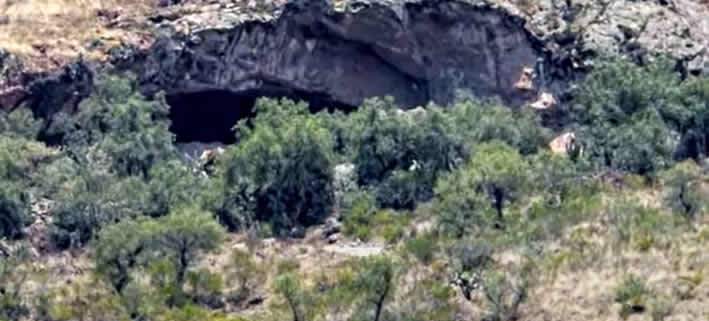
[209, 116]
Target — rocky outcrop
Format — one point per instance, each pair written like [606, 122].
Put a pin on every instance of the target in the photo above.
[342, 51]
[43, 92]
[414, 51]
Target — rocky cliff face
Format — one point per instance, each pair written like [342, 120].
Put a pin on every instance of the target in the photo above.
[416, 52]
[341, 52]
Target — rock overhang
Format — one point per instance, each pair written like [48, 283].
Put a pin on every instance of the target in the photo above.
[415, 51]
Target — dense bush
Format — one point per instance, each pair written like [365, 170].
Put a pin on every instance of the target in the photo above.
[282, 166]
[131, 130]
[20, 123]
[18, 160]
[400, 154]
[484, 121]
[641, 118]
[385, 143]
[476, 196]
[92, 199]
[14, 213]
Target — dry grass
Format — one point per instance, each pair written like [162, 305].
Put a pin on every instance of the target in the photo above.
[49, 32]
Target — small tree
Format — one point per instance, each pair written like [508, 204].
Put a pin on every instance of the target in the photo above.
[183, 235]
[500, 172]
[495, 176]
[402, 152]
[289, 286]
[683, 189]
[282, 167]
[375, 282]
[247, 273]
[18, 159]
[14, 213]
[170, 185]
[485, 121]
[504, 294]
[630, 117]
[20, 123]
[119, 248]
[90, 200]
[461, 209]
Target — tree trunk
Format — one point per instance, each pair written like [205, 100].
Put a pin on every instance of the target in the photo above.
[182, 268]
[380, 304]
[498, 203]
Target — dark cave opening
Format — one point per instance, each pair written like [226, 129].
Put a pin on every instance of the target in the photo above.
[209, 116]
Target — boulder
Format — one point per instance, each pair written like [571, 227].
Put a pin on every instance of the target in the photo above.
[544, 101]
[563, 143]
[331, 227]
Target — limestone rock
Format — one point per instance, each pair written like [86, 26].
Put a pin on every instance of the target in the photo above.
[525, 79]
[331, 227]
[544, 101]
[415, 51]
[563, 143]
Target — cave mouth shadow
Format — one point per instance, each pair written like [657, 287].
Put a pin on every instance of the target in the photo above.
[210, 116]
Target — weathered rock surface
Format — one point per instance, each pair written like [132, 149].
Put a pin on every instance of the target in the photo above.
[414, 51]
[342, 51]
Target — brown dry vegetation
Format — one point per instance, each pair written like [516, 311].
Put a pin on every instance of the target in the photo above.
[49, 32]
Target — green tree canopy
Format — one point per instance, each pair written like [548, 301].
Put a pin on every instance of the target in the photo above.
[130, 129]
[119, 248]
[495, 176]
[282, 166]
[684, 190]
[183, 235]
[641, 118]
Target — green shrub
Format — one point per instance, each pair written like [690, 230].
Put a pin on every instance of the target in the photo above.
[660, 308]
[14, 213]
[422, 248]
[13, 284]
[206, 287]
[20, 123]
[298, 301]
[632, 294]
[131, 130]
[639, 226]
[390, 225]
[358, 218]
[184, 235]
[282, 166]
[485, 121]
[246, 273]
[468, 258]
[683, 189]
[386, 143]
[641, 118]
[92, 200]
[504, 293]
[171, 184]
[374, 281]
[120, 248]
[476, 196]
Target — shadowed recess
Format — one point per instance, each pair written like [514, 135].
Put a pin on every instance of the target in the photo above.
[210, 116]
